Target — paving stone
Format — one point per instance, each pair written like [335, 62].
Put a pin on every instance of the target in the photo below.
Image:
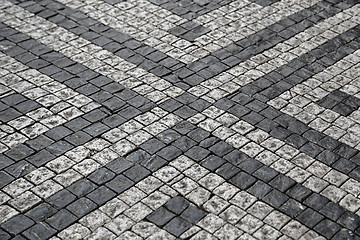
[349, 220]
[282, 183]
[42, 212]
[169, 153]
[61, 219]
[40, 230]
[136, 173]
[309, 217]
[63, 198]
[177, 226]
[193, 214]
[197, 153]
[81, 207]
[120, 183]
[160, 217]
[19, 152]
[101, 176]
[101, 195]
[82, 187]
[243, 180]
[327, 228]
[288, 76]
[17, 224]
[299, 192]
[316, 201]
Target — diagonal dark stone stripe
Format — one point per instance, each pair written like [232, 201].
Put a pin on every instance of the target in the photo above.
[16, 105]
[277, 190]
[305, 66]
[341, 148]
[62, 69]
[191, 9]
[189, 31]
[326, 149]
[173, 70]
[110, 39]
[340, 102]
[118, 104]
[256, 43]
[93, 191]
[188, 215]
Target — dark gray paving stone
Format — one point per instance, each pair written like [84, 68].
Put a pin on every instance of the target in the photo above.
[345, 234]
[198, 134]
[114, 120]
[236, 157]
[177, 226]
[344, 166]
[5, 178]
[265, 173]
[183, 127]
[5, 161]
[77, 124]
[64, 197]
[78, 138]
[39, 231]
[101, 176]
[137, 173]
[169, 153]
[227, 170]
[275, 198]
[137, 156]
[282, 183]
[20, 168]
[19, 152]
[316, 201]
[120, 183]
[13, 99]
[243, 180]
[61, 219]
[309, 217]
[299, 192]
[41, 158]
[152, 146]
[349, 220]
[81, 207]
[184, 143]
[177, 204]
[4, 235]
[208, 142]
[221, 149]
[42, 212]
[153, 163]
[101, 195]
[250, 165]
[160, 217]
[96, 129]
[119, 165]
[39, 142]
[292, 208]
[212, 162]
[197, 153]
[327, 228]
[60, 147]
[259, 189]
[193, 214]
[82, 187]
[17, 224]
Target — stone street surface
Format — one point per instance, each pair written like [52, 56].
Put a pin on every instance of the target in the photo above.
[180, 119]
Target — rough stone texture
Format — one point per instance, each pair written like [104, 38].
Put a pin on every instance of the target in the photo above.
[163, 119]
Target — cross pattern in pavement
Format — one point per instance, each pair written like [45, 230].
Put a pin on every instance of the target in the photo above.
[159, 119]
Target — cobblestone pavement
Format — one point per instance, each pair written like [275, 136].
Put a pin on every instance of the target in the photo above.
[191, 119]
